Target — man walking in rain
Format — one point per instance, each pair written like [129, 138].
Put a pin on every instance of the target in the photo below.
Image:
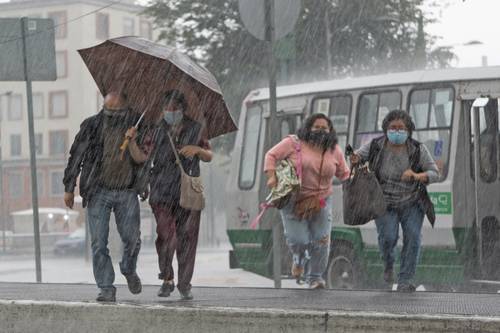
[110, 180]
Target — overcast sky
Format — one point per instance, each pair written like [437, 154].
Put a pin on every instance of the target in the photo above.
[464, 21]
[461, 22]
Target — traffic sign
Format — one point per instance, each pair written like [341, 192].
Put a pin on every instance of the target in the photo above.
[40, 49]
[253, 15]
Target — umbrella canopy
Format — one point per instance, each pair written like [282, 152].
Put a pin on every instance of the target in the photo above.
[145, 71]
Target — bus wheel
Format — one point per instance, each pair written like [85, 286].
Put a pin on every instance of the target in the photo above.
[343, 270]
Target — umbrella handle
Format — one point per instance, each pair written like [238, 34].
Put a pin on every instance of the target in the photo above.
[123, 147]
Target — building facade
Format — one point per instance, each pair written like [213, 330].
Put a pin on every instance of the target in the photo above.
[59, 106]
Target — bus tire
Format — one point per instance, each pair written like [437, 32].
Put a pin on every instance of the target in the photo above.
[344, 270]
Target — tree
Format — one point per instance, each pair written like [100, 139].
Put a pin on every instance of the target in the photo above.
[364, 37]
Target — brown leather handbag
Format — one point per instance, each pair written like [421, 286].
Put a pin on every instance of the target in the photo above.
[308, 207]
[192, 197]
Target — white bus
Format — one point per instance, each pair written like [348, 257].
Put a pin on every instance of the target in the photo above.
[443, 104]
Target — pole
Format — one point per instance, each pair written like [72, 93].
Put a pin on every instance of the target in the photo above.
[273, 133]
[31, 130]
[477, 178]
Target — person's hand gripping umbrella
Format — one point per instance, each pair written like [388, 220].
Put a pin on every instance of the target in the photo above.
[126, 142]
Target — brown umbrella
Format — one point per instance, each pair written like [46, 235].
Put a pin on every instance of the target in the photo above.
[145, 71]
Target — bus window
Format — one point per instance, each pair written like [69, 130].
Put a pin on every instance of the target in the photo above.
[321, 105]
[388, 101]
[250, 150]
[488, 141]
[431, 110]
[339, 114]
[419, 107]
[367, 112]
[371, 112]
[441, 108]
[285, 128]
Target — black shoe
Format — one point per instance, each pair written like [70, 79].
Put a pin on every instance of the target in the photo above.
[186, 295]
[134, 283]
[406, 288]
[166, 289]
[107, 295]
[389, 276]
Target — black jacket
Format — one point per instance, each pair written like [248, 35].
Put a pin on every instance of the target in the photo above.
[86, 155]
[165, 178]
[413, 146]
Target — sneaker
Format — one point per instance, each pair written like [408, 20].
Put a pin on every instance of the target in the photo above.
[317, 285]
[389, 276]
[297, 271]
[406, 288]
[186, 295]
[134, 283]
[107, 295]
[166, 289]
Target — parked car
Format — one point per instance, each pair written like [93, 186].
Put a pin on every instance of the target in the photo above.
[74, 243]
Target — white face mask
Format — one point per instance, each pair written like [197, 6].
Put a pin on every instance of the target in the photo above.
[172, 117]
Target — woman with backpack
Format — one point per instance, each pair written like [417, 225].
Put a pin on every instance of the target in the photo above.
[307, 217]
[403, 166]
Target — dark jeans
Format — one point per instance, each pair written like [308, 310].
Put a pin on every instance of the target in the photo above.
[411, 219]
[125, 205]
[177, 231]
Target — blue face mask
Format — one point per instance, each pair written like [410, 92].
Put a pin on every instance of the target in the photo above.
[173, 117]
[397, 137]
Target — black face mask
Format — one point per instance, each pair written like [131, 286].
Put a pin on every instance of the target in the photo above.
[319, 138]
[114, 112]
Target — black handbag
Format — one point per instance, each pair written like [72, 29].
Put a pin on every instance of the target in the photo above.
[363, 199]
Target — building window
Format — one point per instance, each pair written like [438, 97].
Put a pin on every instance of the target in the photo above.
[62, 64]
[102, 26]
[146, 29]
[128, 26]
[58, 142]
[16, 185]
[40, 182]
[56, 183]
[15, 107]
[59, 19]
[15, 145]
[39, 143]
[58, 104]
[38, 109]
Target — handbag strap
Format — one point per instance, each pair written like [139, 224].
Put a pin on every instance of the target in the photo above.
[320, 170]
[298, 151]
[177, 159]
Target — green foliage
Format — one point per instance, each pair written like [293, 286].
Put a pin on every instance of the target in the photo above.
[366, 37]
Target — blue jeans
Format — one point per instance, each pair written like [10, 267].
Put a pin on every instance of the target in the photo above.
[411, 219]
[125, 205]
[309, 238]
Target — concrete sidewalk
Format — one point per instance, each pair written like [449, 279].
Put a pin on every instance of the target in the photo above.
[70, 308]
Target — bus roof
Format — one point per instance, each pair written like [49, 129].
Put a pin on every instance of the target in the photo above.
[385, 80]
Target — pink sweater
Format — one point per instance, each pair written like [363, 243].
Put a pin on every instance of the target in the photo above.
[333, 165]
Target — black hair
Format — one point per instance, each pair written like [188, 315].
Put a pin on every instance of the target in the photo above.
[176, 96]
[399, 115]
[304, 133]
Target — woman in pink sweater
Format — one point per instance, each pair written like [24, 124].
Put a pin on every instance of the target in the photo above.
[321, 159]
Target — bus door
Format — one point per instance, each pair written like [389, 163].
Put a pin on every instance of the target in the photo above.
[484, 137]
